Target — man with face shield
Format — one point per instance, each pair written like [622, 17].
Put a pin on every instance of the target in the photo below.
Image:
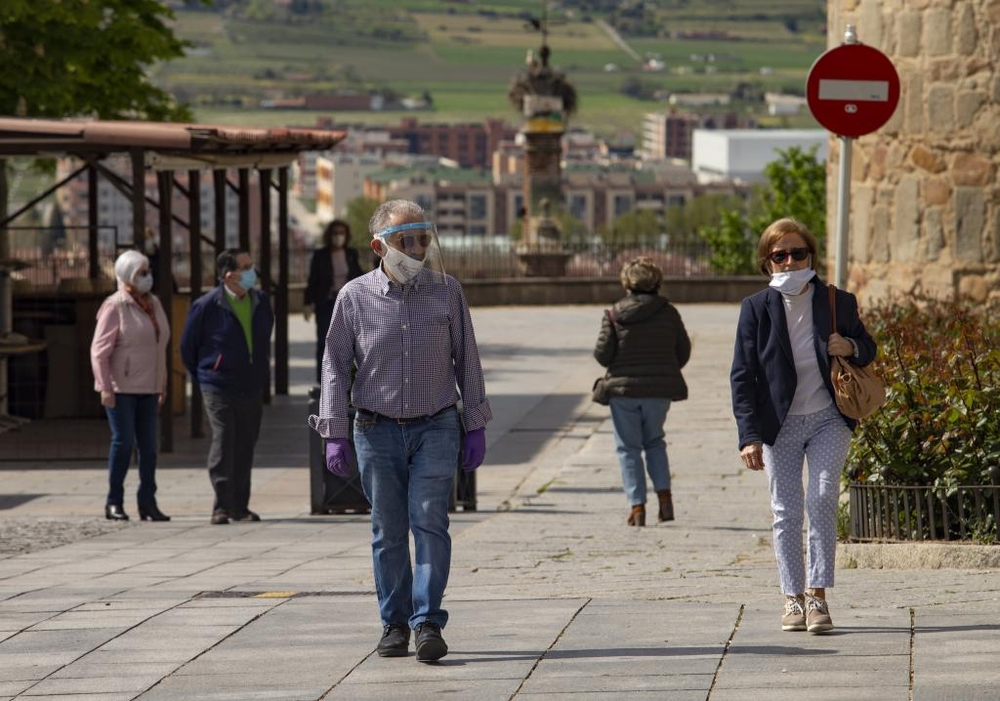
[407, 330]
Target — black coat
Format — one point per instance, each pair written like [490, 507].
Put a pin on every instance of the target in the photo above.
[320, 280]
[644, 348]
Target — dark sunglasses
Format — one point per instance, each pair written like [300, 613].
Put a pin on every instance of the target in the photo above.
[408, 241]
[797, 254]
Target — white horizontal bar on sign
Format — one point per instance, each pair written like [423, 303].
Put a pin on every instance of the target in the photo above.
[857, 90]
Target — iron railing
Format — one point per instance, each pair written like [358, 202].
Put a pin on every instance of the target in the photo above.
[889, 513]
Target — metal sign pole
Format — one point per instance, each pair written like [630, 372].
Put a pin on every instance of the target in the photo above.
[843, 210]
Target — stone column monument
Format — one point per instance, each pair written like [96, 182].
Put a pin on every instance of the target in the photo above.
[544, 98]
[925, 197]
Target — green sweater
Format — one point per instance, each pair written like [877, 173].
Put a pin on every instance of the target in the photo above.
[244, 312]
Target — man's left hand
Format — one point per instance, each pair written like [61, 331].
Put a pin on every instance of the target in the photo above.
[474, 450]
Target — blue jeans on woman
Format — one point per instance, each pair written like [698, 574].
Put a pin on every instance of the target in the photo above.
[638, 424]
[407, 472]
[133, 421]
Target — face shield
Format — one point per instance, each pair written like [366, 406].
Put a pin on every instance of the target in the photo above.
[411, 253]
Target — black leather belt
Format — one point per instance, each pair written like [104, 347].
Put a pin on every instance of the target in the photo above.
[405, 420]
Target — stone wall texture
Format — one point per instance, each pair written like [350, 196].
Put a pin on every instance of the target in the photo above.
[925, 198]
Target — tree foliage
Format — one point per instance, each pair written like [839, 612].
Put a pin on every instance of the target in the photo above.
[67, 58]
[796, 187]
[359, 213]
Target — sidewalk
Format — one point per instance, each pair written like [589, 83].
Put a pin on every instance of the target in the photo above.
[552, 597]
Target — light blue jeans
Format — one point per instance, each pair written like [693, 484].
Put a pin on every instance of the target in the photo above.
[821, 440]
[407, 473]
[638, 424]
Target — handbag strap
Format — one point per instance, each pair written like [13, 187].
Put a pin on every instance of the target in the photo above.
[833, 307]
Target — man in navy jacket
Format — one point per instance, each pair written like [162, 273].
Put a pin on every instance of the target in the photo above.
[226, 349]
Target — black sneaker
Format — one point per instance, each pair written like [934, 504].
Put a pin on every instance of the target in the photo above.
[395, 641]
[430, 645]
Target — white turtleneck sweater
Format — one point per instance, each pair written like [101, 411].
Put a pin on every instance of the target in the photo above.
[811, 394]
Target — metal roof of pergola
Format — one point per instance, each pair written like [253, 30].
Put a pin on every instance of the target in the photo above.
[167, 148]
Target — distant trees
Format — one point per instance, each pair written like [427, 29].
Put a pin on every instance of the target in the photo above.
[796, 187]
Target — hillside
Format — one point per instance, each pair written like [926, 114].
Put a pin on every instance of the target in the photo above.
[461, 56]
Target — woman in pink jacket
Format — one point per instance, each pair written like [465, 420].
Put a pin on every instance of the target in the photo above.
[128, 356]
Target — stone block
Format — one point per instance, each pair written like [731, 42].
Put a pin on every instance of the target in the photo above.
[882, 220]
[941, 108]
[906, 232]
[966, 35]
[936, 191]
[861, 222]
[973, 287]
[937, 32]
[970, 220]
[908, 28]
[927, 159]
[932, 227]
[967, 105]
[971, 169]
[913, 102]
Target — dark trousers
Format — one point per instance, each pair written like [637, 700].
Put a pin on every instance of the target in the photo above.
[324, 313]
[133, 423]
[235, 422]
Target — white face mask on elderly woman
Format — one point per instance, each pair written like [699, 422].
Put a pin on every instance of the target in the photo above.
[793, 281]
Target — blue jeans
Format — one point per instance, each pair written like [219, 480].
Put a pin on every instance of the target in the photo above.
[133, 422]
[407, 473]
[638, 424]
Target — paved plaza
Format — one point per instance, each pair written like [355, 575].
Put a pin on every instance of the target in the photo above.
[552, 597]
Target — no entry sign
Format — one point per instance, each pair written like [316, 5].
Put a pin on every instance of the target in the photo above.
[852, 89]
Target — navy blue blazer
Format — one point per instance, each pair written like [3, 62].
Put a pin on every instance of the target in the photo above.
[763, 376]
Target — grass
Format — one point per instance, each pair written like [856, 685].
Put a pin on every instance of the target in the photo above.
[466, 60]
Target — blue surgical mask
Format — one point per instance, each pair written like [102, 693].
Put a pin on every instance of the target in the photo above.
[248, 278]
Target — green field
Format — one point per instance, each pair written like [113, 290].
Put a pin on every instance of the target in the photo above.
[466, 60]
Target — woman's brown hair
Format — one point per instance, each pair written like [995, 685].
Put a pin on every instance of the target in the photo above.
[774, 232]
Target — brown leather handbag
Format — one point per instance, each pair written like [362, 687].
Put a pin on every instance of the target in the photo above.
[858, 390]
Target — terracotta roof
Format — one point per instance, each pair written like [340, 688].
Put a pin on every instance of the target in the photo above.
[30, 137]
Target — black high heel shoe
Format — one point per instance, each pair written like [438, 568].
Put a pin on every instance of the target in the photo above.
[113, 512]
[152, 513]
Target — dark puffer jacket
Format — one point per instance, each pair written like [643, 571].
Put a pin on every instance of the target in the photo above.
[644, 349]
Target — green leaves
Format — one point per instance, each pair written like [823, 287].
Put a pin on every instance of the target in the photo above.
[940, 425]
[67, 58]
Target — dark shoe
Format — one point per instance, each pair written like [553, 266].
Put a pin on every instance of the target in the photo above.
[152, 513]
[248, 515]
[666, 512]
[113, 512]
[395, 641]
[430, 645]
[220, 517]
[637, 517]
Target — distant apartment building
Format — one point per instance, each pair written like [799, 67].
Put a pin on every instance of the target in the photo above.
[340, 178]
[470, 145]
[741, 154]
[669, 134]
[779, 105]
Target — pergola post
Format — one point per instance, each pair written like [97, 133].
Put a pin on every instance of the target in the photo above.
[244, 203]
[164, 181]
[281, 293]
[93, 262]
[194, 239]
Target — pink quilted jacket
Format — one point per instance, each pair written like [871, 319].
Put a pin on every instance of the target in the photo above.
[125, 355]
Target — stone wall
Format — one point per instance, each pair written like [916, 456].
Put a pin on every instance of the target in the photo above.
[925, 201]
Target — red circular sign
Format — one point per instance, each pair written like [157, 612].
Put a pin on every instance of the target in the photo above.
[852, 89]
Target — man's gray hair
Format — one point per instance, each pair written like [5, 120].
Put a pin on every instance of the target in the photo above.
[393, 209]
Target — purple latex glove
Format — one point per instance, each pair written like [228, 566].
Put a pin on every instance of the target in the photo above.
[474, 450]
[340, 457]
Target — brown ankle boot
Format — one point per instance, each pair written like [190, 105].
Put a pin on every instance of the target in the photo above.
[666, 512]
[638, 515]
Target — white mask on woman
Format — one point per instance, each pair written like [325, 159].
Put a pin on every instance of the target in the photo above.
[144, 283]
[401, 266]
[793, 281]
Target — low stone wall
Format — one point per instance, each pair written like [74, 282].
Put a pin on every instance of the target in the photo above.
[542, 291]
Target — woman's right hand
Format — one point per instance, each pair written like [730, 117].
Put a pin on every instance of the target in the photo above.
[108, 399]
[753, 456]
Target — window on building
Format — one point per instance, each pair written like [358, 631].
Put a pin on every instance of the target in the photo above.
[578, 206]
[477, 230]
[477, 206]
[622, 204]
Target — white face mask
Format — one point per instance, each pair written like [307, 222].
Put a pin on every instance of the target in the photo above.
[338, 240]
[144, 283]
[402, 268]
[792, 282]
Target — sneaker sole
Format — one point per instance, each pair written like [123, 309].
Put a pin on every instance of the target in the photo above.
[797, 628]
[431, 653]
[393, 652]
[820, 627]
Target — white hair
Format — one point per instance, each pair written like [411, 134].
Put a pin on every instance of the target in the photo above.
[127, 265]
[393, 209]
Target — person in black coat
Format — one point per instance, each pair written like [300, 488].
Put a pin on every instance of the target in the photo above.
[331, 266]
[644, 345]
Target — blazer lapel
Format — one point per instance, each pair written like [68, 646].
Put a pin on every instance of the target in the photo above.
[779, 323]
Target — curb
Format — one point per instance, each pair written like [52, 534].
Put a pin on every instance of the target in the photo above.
[913, 556]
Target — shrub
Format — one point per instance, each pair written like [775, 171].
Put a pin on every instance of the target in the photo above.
[940, 425]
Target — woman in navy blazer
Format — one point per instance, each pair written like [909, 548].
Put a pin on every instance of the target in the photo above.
[786, 413]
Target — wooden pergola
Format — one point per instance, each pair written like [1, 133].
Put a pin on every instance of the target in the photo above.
[168, 149]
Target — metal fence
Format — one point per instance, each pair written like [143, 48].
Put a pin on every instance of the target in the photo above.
[906, 513]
